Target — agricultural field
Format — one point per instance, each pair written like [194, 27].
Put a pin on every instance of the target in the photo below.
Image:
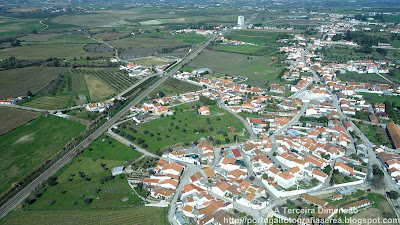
[17, 82]
[29, 145]
[144, 42]
[37, 37]
[12, 118]
[62, 51]
[129, 215]
[244, 49]
[258, 69]
[180, 128]
[255, 37]
[10, 26]
[113, 18]
[98, 89]
[116, 79]
[366, 77]
[82, 86]
[85, 176]
[60, 101]
[111, 35]
[60, 39]
[150, 61]
[189, 38]
[174, 86]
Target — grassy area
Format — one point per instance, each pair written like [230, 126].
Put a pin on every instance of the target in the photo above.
[130, 215]
[174, 86]
[366, 77]
[340, 178]
[258, 69]
[17, 82]
[374, 133]
[104, 151]
[245, 49]
[98, 89]
[62, 51]
[12, 118]
[375, 98]
[255, 37]
[49, 102]
[395, 43]
[28, 146]
[348, 53]
[151, 61]
[10, 26]
[186, 118]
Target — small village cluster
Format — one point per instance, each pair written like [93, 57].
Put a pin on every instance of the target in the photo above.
[304, 137]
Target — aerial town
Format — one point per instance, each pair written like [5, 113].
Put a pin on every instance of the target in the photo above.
[152, 113]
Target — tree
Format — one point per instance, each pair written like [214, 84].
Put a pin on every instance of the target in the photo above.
[52, 181]
[88, 200]
[327, 169]
[29, 93]
[382, 51]
[377, 179]
[393, 194]
[161, 94]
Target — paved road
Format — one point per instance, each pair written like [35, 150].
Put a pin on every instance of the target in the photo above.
[299, 93]
[250, 130]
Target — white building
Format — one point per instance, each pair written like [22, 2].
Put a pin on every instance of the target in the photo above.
[240, 21]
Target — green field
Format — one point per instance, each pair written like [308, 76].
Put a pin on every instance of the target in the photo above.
[17, 82]
[10, 26]
[374, 133]
[104, 150]
[188, 119]
[255, 37]
[130, 215]
[245, 49]
[59, 39]
[258, 69]
[145, 42]
[174, 86]
[365, 77]
[374, 98]
[395, 43]
[188, 38]
[62, 51]
[31, 144]
[12, 118]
